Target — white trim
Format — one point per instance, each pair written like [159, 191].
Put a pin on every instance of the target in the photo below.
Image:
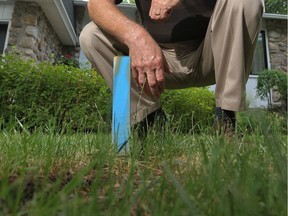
[6, 10]
[275, 16]
[7, 36]
[267, 48]
[253, 76]
[80, 2]
[65, 18]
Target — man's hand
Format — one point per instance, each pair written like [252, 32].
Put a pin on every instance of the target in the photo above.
[148, 65]
[147, 61]
[162, 9]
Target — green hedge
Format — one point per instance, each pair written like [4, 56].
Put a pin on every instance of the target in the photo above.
[41, 95]
[64, 97]
[189, 109]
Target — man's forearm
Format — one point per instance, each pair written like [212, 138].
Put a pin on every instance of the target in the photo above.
[147, 62]
[108, 17]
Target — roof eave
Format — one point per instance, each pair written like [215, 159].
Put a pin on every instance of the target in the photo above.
[58, 17]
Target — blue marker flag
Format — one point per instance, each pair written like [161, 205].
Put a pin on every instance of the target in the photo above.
[121, 102]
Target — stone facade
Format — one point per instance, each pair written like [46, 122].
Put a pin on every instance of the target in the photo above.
[277, 40]
[31, 34]
[277, 37]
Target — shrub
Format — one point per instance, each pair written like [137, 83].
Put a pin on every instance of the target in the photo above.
[269, 79]
[40, 94]
[64, 96]
[189, 108]
[67, 60]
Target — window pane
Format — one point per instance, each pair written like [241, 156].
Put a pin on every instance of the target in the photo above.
[260, 57]
[3, 33]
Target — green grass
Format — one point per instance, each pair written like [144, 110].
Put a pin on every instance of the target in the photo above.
[44, 173]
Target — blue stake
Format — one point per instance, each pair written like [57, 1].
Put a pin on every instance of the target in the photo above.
[121, 103]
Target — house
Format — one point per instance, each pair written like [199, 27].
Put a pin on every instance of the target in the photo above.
[45, 29]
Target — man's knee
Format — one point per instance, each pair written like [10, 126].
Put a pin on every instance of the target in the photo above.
[252, 8]
[85, 38]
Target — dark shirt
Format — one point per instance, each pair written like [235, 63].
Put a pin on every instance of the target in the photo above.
[188, 21]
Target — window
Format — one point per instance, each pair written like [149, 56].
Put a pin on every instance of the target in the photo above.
[3, 35]
[260, 61]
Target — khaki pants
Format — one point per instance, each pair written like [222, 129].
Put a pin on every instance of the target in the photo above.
[224, 57]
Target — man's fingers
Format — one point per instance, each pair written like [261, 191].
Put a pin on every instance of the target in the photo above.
[153, 81]
[145, 86]
[159, 74]
[153, 84]
[159, 11]
[135, 75]
[141, 78]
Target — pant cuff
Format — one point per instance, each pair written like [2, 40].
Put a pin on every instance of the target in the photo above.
[232, 105]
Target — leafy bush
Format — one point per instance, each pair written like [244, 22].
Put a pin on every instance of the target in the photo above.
[276, 6]
[269, 79]
[67, 60]
[64, 96]
[189, 108]
[36, 95]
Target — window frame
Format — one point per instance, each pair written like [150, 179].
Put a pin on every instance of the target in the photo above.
[266, 52]
[8, 23]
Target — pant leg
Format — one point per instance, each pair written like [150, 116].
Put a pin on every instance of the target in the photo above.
[224, 57]
[100, 48]
[229, 44]
[184, 61]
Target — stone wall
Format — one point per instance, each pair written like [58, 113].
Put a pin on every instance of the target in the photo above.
[277, 37]
[31, 34]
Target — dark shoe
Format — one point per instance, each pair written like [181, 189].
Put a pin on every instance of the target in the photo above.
[225, 122]
[155, 119]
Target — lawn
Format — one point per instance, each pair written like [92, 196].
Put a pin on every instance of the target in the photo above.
[45, 173]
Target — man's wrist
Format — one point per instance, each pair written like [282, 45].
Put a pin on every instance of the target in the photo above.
[134, 35]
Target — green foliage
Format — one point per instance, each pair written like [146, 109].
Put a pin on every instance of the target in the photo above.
[37, 95]
[271, 122]
[276, 6]
[269, 79]
[189, 108]
[67, 60]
